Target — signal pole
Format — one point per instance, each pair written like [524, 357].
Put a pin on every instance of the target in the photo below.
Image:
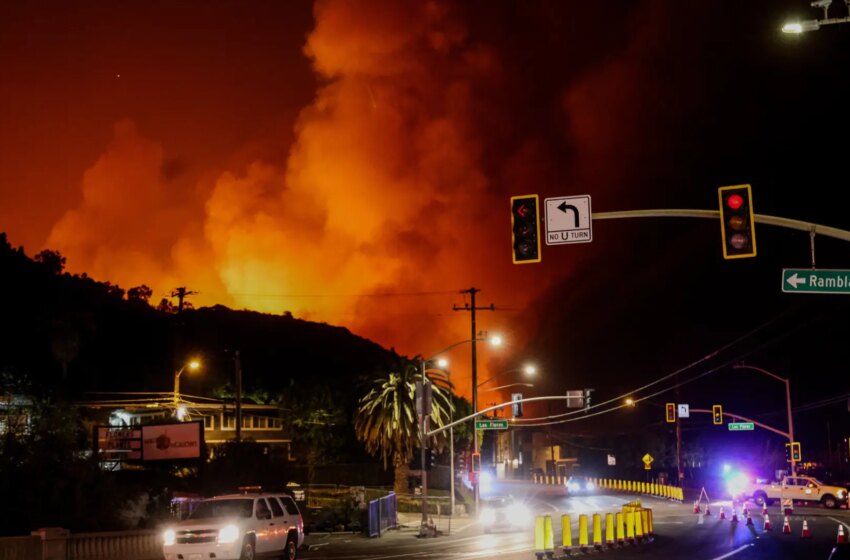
[473, 338]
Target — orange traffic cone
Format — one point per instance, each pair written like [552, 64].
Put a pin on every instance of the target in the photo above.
[696, 507]
[767, 523]
[786, 527]
[734, 515]
[806, 534]
[788, 506]
[764, 509]
[708, 509]
[841, 537]
[744, 511]
[722, 514]
[749, 519]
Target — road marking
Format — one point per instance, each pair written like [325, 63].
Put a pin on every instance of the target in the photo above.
[734, 552]
[841, 522]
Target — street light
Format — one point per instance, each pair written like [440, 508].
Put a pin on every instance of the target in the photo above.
[787, 405]
[494, 340]
[797, 27]
[192, 365]
[528, 369]
[630, 402]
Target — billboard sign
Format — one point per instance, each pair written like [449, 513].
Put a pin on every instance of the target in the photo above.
[118, 443]
[172, 441]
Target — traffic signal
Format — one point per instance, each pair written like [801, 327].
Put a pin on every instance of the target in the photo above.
[796, 454]
[737, 225]
[431, 459]
[525, 220]
[717, 414]
[787, 452]
[671, 412]
[476, 462]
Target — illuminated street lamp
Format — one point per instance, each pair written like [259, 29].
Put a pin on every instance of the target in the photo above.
[630, 402]
[192, 365]
[797, 27]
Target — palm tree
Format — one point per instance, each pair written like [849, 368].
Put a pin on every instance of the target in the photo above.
[386, 418]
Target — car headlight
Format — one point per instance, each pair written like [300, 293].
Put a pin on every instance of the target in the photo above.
[488, 516]
[169, 537]
[228, 534]
[573, 487]
[590, 486]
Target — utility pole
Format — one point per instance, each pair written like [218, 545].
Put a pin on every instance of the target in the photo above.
[238, 396]
[472, 309]
[181, 293]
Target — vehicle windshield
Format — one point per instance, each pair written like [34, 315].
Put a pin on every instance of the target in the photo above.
[498, 501]
[224, 508]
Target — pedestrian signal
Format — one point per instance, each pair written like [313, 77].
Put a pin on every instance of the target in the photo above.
[671, 412]
[717, 414]
[476, 462]
[525, 221]
[737, 224]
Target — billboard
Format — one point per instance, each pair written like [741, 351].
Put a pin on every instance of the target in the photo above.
[113, 443]
[182, 440]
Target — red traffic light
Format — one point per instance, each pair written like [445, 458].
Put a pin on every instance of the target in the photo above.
[671, 412]
[735, 201]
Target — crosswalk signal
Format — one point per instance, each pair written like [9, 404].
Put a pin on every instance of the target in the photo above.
[796, 453]
[671, 412]
[476, 462]
[737, 225]
[525, 221]
[717, 414]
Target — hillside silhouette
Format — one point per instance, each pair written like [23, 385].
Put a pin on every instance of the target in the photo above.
[71, 336]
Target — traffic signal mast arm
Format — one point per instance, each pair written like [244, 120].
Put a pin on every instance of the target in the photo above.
[484, 411]
[745, 419]
[715, 214]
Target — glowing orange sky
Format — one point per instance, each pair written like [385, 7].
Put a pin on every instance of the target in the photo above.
[377, 172]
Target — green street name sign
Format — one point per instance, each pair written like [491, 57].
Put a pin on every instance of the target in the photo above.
[808, 281]
[491, 424]
[741, 426]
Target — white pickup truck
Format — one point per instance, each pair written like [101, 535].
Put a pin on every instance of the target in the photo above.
[798, 488]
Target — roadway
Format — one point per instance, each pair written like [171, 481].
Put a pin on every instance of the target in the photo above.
[678, 533]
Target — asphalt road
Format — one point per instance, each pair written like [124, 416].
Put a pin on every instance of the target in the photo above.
[678, 533]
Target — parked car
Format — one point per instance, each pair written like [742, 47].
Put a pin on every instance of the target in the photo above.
[237, 527]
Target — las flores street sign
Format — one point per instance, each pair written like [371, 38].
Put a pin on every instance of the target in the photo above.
[808, 281]
[491, 424]
[741, 426]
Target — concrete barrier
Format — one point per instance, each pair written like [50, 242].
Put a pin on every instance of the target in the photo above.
[55, 543]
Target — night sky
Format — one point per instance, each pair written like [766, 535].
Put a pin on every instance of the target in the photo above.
[352, 162]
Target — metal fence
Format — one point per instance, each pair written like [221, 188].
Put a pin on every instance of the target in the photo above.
[383, 514]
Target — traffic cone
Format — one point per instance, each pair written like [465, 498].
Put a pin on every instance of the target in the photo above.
[734, 515]
[767, 526]
[696, 507]
[786, 526]
[788, 506]
[744, 511]
[708, 509]
[749, 519]
[764, 508]
[722, 514]
[841, 536]
[806, 534]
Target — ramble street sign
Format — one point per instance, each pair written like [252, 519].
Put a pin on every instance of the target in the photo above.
[568, 220]
[809, 281]
[740, 426]
[491, 424]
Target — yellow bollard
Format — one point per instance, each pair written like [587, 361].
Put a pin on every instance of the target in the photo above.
[566, 532]
[582, 531]
[597, 530]
[609, 529]
[653, 489]
[680, 494]
[538, 533]
[646, 515]
[638, 525]
[630, 526]
[548, 535]
[621, 528]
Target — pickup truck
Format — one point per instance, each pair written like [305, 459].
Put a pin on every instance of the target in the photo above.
[799, 488]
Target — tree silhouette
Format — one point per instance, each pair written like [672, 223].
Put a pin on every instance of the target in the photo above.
[386, 419]
[51, 260]
[140, 293]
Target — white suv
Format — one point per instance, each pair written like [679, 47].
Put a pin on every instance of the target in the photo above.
[237, 527]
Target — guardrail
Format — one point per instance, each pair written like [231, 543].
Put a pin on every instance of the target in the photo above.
[383, 514]
[632, 525]
[54, 543]
[650, 488]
